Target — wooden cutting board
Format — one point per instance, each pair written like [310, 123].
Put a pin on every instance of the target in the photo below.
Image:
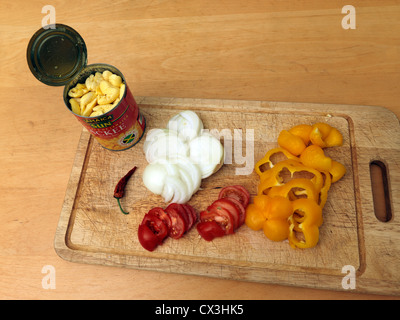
[91, 228]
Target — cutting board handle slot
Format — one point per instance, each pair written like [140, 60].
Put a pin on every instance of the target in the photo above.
[380, 190]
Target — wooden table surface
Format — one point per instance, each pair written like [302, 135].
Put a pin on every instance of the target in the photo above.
[294, 51]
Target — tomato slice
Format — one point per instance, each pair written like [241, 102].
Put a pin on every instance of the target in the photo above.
[178, 221]
[194, 213]
[240, 208]
[230, 206]
[156, 225]
[182, 212]
[160, 213]
[222, 217]
[192, 216]
[209, 230]
[147, 238]
[237, 192]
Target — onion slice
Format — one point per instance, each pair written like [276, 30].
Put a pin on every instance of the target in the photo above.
[189, 172]
[154, 177]
[207, 152]
[179, 157]
[187, 123]
[163, 144]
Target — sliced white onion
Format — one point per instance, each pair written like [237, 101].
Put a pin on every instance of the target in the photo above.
[187, 123]
[179, 157]
[193, 170]
[180, 192]
[189, 172]
[164, 144]
[154, 177]
[171, 168]
[152, 132]
[187, 180]
[151, 137]
[207, 152]
[207, 170]
[167, 193]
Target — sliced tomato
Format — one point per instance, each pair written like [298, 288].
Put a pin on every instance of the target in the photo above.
[230, 206]
[182, 212]
[206, 216]
[240, 208]
[222, 217]
[192, 216]
[194, 213]
[237, 192]
[209, 230]
[156, 225]
[161, 214]
[178, 221]
[147, 238]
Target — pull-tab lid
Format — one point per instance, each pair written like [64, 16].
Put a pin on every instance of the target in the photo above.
[56, 56]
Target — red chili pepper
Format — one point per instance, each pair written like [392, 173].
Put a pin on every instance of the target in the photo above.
[120, 188]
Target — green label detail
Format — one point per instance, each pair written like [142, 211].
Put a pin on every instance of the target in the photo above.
[129, 138]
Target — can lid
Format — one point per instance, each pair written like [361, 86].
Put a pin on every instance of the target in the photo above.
[56, 55]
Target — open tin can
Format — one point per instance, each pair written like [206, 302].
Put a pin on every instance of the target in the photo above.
[58, 57]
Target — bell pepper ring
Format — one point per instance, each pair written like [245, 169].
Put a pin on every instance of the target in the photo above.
[276, 230]
[319, 133]
[270, 214]
[303, 131]
[294, 189]
[273, 177]
[292, 143]
[314, 157]
[255, 218]
[292, 192]
[266, 161]
[337, 171]
[306, 219]
[323, 194]
[324, 135]
[334, 138]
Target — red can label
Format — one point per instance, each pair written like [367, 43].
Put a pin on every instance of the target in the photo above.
[120, 128]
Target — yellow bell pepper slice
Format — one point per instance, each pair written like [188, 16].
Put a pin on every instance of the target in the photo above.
[314, 157]
[303, 131]
[254, 217]
[292, 143]
[337, 171]
[295, 188]
[271, 214]
[308, 222]
[288, 204]
[277, 175]
[279, 208]
[323, 194]
[324, 135]
[266, 162]
[276, 230]
[334, 138]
